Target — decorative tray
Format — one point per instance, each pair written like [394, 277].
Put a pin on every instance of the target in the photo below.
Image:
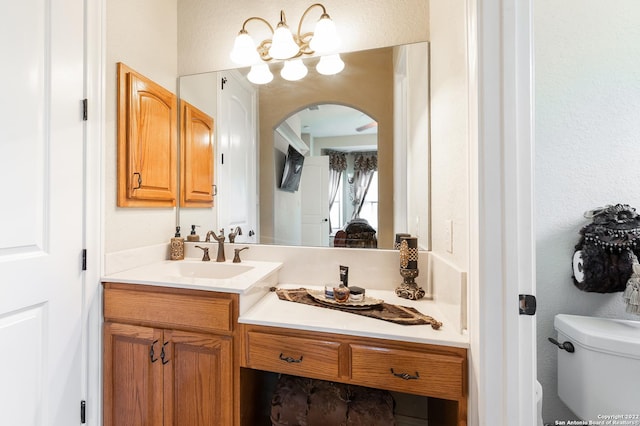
[367, 303]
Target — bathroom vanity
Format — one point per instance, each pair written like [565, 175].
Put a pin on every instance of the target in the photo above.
[182, 350]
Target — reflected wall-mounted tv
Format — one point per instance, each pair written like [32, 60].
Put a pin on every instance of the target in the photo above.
[292, 170]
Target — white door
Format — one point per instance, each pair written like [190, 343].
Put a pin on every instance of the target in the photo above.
[236, 157]
[314, 189]
[41, 175]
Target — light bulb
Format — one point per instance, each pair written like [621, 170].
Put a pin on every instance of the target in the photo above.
[325, 36]
[282, 45]
[260, 74]
[244, 50]
[293, 70]
[330, 64]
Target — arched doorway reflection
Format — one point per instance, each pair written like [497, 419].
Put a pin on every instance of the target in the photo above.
[338, 182]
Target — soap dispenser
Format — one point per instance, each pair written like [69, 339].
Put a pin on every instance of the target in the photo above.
[177, 246]
[193, 237]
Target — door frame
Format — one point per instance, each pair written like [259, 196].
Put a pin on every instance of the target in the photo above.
[95, 86]
[502, 241]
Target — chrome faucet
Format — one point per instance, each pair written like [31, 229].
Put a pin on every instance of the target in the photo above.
[234, 232]
[220, 239]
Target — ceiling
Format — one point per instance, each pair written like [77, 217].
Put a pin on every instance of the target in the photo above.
[329, 120]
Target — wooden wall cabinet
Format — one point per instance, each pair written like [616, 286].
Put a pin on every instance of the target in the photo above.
[147, 142]
[196, 157]
[168, 356]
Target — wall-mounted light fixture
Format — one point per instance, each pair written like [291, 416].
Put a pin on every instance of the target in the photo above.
[284, 45]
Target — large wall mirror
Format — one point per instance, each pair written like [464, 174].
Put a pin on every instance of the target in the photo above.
[353, 138]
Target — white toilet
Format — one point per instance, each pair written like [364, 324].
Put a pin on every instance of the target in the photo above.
[539, 421]
[601, 377]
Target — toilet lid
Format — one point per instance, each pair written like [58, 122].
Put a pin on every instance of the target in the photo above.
[620, 337]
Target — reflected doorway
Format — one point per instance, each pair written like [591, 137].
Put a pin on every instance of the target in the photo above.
[338, 181]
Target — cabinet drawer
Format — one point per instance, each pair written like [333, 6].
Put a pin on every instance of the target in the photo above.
[293, 355]
[420, 373]
[168, 310]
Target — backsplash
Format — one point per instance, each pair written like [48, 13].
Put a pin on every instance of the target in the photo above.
[317, 266]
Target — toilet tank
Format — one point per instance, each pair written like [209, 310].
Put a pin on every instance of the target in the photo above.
[602, 377]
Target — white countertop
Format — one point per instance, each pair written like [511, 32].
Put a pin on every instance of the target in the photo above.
[271, 311]
[166, 274]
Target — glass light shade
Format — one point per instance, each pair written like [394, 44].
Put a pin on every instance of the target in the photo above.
[330, 64]
[282, 45]
[325, 37]
[293, 70]
[260, 74]
[244, 50]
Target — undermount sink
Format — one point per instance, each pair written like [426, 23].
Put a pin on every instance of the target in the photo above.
[196, 274]
[210, 270]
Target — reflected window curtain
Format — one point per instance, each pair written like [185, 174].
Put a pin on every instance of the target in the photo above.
[337, 165]
[363, 169]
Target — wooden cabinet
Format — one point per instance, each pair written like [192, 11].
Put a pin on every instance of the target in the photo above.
[196, 157]
[147, 142]
[168, 356]
[438, 372]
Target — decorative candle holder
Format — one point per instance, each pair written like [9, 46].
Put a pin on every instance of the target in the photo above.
[409, 269]
[399, 238]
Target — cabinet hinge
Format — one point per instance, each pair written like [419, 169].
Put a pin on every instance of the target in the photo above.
[83, 411]
[222, 158]
[85, 107]
[527, 304]
[223, 81]
[84, 259]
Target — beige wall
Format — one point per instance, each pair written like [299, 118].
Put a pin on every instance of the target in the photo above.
[209, 27]
[367, 88]
[143, 34]
[449, 130]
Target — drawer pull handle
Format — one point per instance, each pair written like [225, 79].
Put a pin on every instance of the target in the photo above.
[152, 351]
[163, 355]
[405, 376]
[289, 359]
[139, 180]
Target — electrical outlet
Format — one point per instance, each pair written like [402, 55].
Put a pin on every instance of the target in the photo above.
[448, 235]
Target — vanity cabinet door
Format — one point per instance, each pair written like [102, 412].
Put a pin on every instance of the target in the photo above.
[147, 142]
[196, 157]
[198, 377]
[132, 375]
